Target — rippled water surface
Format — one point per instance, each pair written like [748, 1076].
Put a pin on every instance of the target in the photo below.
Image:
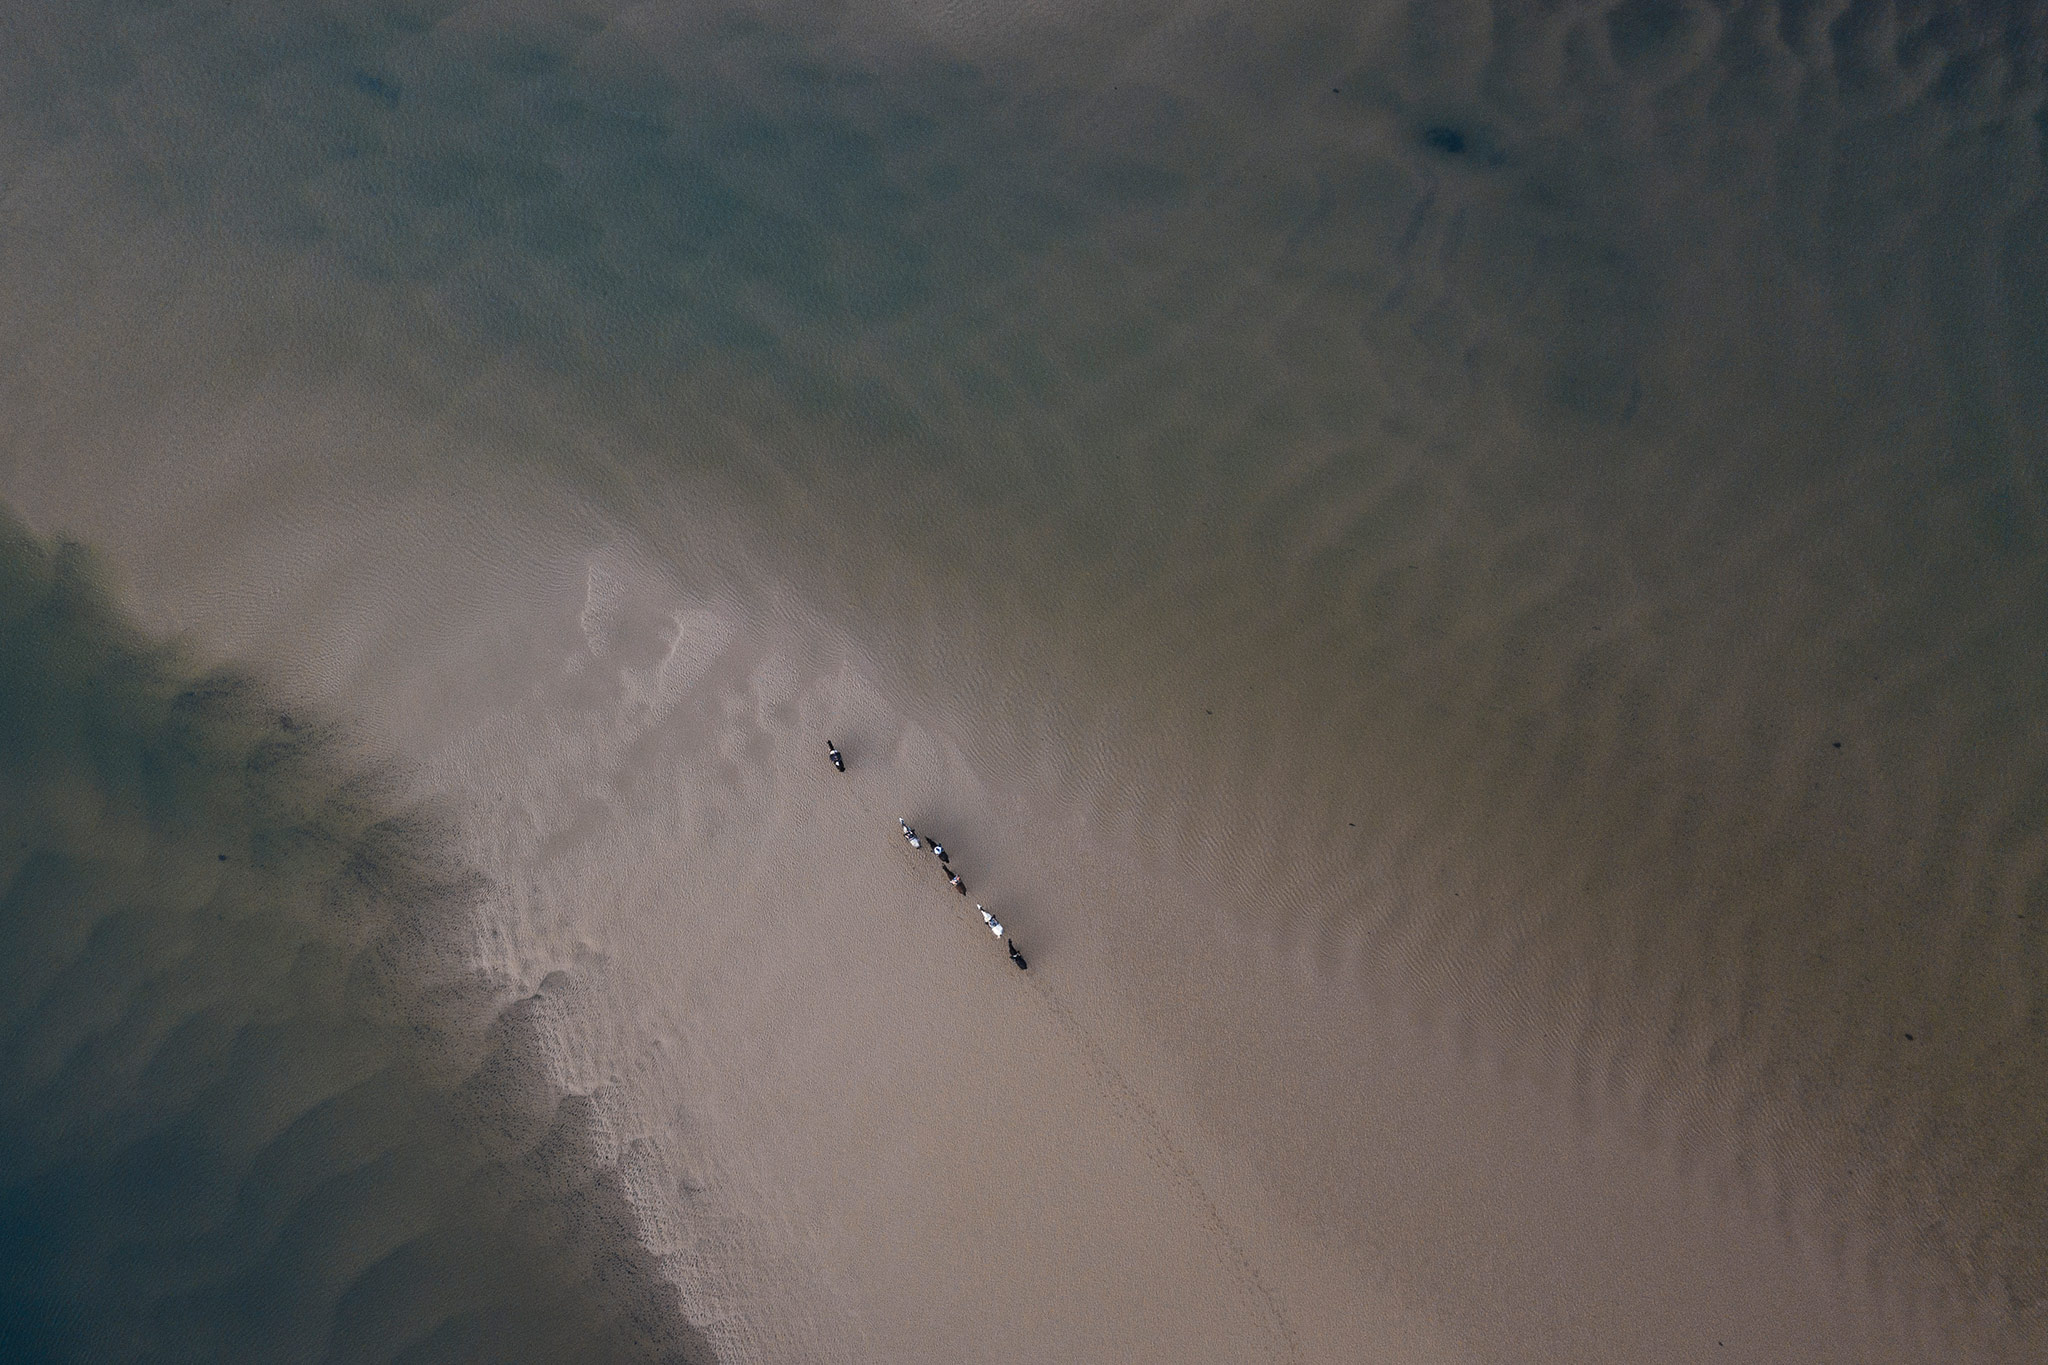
[1514, 523]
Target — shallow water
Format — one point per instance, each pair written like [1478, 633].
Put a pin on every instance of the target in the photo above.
[1518, 528]
[260, 1102]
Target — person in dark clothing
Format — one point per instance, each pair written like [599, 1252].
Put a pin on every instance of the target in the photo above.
[1018, 957]
[837, 761]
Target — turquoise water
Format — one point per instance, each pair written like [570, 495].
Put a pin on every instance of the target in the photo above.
[1603, 443]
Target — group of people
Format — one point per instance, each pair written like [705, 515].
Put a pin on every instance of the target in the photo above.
[995, 926]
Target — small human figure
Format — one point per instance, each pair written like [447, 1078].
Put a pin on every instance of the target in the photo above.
[958, 885]
[939, 849]
[1018, 957]
[837, 761]
[995, 926]
[909, 833]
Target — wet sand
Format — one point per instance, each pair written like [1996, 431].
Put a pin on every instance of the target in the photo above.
[1209, 1123]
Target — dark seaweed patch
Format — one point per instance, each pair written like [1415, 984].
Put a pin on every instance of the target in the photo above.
[1443, 138]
